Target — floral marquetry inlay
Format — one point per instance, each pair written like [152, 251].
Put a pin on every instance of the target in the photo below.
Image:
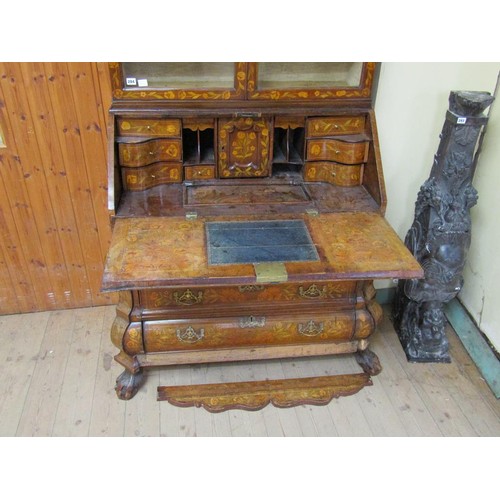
[358, 244]
[331, 126]
[334, 173]
[256, 395]
[145, 153]
[132, 339]
[139, 179]
[149, 128]
[244, 147]
[336, 150]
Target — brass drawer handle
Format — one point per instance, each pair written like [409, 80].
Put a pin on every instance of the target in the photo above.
[313, 292]
[252, 322]
[190, 335]
[310, 329]
[188, 298]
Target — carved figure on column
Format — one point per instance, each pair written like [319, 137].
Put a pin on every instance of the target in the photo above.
[440, 235]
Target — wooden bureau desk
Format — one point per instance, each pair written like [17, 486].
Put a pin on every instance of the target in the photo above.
[246, 225]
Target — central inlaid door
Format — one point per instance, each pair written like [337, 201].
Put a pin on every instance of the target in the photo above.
[244, 147]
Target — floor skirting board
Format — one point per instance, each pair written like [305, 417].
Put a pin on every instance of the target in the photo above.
[475, 344]
[471, 337]
[386, 295]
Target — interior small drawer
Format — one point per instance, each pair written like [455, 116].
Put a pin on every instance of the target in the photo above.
[141, 178]
[194, 172]
[147, 127]
[336, 150]
[333, 173]
[247, 331]
[198, 123]
[335, 125]
[144, 153]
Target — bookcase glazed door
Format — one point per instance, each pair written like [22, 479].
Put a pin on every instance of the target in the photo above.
[244, 147]
[310, 80]
[179, 81]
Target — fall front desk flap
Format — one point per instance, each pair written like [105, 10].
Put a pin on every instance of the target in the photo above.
[173, 251]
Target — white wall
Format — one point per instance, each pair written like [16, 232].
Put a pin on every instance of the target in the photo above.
[411, 103]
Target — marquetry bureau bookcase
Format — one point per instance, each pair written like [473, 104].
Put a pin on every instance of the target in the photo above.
[247, 203]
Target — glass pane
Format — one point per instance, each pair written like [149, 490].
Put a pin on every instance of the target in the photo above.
[178, 75]
[308, 75]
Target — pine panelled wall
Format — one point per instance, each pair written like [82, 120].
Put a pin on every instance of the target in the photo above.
[53, 185]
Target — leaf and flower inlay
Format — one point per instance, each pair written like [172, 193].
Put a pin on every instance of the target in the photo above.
[256, 395]
[244, 147]
[333, 173]
[336, 125]
[149, 128]
[353, 245]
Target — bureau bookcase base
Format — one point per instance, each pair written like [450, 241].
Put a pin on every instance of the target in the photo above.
[345, 327]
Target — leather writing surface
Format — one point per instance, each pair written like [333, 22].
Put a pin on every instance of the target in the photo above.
[259, 241]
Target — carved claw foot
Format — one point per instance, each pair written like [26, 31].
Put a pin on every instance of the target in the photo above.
[127, 384]
[369, 361]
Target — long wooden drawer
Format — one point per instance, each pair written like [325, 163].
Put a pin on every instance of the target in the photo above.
[248, 295]
[336, 150]
[248, 331]
[335, 125]
[141, 178]
[144, 153]
[147, 127]
[334, 173]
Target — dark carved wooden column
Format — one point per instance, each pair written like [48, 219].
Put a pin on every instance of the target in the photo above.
[440, 235]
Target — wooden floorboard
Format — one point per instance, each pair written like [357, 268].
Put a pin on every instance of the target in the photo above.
[58, 377]
[434, 393]
[22, 336]
[42, 400]
[77, 391]
[107, 414]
